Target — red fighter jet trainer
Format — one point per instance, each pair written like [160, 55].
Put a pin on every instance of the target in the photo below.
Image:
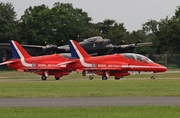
[117, 65]
[42, 65]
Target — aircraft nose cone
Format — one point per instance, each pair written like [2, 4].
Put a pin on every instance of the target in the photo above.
[163, 68]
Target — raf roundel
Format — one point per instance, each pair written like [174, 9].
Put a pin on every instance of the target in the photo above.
[33, 65]
[94, 65]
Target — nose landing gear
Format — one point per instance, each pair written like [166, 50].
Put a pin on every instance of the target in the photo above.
[91, 77]
[154, 76]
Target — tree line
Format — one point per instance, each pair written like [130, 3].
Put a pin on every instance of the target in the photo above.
[40, 25]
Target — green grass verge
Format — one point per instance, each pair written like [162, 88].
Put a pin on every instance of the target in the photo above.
[27, 85]
[92, 112]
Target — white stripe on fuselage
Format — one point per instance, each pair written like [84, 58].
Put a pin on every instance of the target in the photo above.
[21, 56]
[81, 57]
[134, 66]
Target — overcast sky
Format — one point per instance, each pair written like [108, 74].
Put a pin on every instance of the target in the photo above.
[133, 13]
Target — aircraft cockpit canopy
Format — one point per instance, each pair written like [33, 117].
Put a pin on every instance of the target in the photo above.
[94, 39]
[137, 57]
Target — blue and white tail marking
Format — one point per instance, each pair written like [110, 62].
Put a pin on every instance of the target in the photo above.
[78, 52]
[19, 53]
[73, 49]
[14, 50]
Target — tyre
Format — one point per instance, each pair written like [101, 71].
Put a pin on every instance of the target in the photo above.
[43, 77]
[91, 77]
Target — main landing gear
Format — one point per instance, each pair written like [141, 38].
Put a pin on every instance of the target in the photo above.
[117, 78]
[57, 78]
[103, 77]
[43, 77]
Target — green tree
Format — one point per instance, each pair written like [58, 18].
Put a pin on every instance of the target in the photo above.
[72, 23]
[8, 23]
[36, 25]
[141, 37]
[111, 29]
[150, 26]
[164, 34]
[169, 36]
[153, 30]
[57, 25]
[177, 12]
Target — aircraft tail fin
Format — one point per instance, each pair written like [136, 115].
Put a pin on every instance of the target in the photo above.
[77, 51]
[18, 51]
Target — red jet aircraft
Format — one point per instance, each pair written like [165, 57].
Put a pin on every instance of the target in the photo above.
[42, 65]
[117, 65]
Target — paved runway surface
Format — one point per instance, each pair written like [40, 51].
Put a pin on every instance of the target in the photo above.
[90, 101]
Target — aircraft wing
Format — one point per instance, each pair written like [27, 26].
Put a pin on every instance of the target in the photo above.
[128, 48]
[143, 44]
[64, 48]
[135, 45]
[34, 50]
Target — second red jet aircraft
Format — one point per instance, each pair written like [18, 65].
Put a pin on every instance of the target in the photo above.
[117, 65]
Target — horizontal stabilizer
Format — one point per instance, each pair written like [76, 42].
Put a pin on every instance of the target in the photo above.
[66, 62]
[8, 62]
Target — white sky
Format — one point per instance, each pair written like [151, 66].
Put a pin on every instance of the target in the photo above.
[133, 13]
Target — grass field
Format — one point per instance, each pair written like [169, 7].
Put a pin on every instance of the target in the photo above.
[27, 85]
[92, 112]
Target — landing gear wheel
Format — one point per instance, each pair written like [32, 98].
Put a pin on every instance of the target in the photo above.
[153, 77]
[57, 78]
[91, 77]
[117, 78]
[104, 78]
[43, 77]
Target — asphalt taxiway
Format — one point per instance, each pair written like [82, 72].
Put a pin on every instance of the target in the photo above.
[89, 101]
